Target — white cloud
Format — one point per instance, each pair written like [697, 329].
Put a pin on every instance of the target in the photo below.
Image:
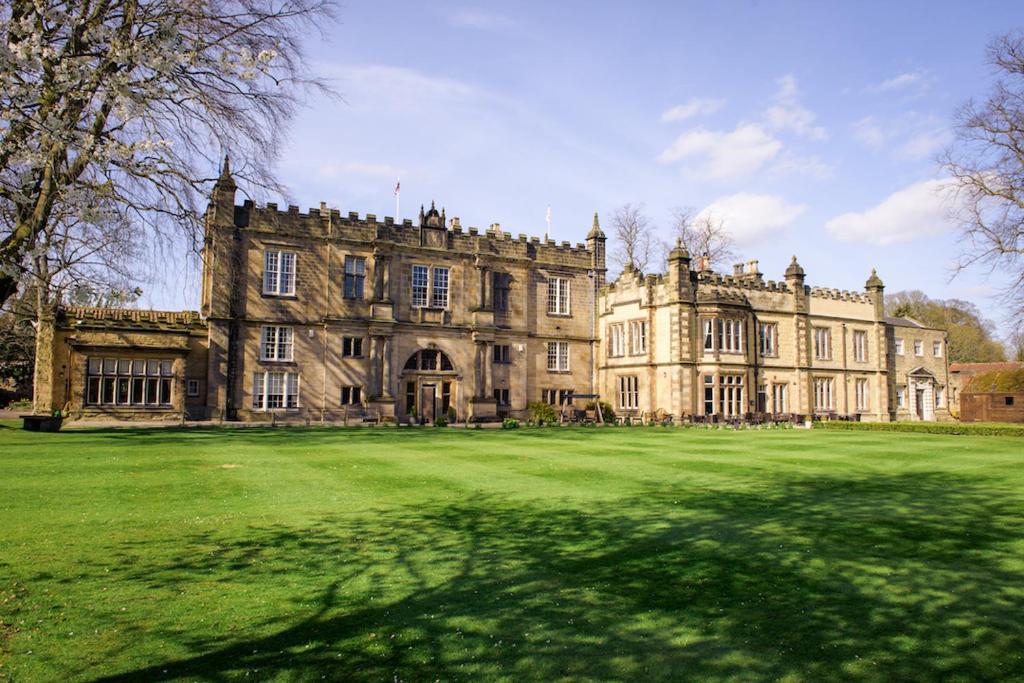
[868, 131]
[924, 145]
[789, 114]
[919, 210]
[748, 216]
[367, 85]
[804, 165]
[695, 106]
[727, 154]
[331, 171]
[917, 81]
[478, 19]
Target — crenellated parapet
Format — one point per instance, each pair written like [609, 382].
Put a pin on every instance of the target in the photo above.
[331, 224]
[87, 316]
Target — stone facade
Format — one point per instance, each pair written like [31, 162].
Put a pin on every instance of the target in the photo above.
[321, 317]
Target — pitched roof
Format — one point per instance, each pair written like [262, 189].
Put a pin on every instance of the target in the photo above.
[975, 368]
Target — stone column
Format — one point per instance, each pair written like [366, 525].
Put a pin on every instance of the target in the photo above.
[385, 367]
[385, 285]
[478, 372]
[374, 388]
[488, 369]
[42, 383]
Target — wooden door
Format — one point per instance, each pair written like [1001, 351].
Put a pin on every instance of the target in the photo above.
[428, 402]
[919, 396]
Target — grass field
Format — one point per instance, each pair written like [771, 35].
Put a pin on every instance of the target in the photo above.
[386, 555]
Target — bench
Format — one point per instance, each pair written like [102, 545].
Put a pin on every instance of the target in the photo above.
[41, 423]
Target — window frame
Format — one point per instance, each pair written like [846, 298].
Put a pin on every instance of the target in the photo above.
[282, 282]
[768, 339]
[860, 346]
[822, 343]
[355, 347]
[629, 392]
[558, 351]
[277, 344]
[355, 279]
[290, 389]
[638, 331]
[559, 289]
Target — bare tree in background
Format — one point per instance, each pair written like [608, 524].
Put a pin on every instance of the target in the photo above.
[132, 102]
[986, 161]
[703, 235]
[634, 245]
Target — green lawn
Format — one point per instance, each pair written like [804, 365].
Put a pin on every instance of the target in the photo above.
[644, 553]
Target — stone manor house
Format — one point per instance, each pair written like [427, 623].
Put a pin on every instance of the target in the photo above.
[320, 316]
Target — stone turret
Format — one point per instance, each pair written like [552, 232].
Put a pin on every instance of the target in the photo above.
[795, 275]
[679, 268]
[596, 244]
[876, 291]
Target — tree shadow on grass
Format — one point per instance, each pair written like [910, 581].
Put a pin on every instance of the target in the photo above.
[906, 577]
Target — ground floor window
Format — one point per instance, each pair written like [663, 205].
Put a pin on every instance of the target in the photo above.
[351, 396]
[557, 397]
[938, 397]
[446, 397]
[501, 396]
[128, 382]
[192, 388]
[272, 390]
[762, 398]
[629, 393]
[901, 398]
[779, 398]
[730, 392]
[709, 394]
[824, 393]
[862, 394]
[410, 398]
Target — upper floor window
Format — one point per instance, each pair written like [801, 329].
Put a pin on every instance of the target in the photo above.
[637, 337]
[918, 347]
[558, 295]
[899, 346]
[278, 272]
[558, 356]
[730, 335]
[439, 289]
[355, 274]
[502, 353]
[276, 343]
[823, 343]
[768, 334]
[860, 346]
[351, 347]
[616, 347]
[433, 281]
[419, 285]
[937, 349]
[502, 286]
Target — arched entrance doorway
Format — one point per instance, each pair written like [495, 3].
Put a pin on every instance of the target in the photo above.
[430, 385]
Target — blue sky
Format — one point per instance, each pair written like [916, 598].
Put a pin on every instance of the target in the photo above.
[811, 128]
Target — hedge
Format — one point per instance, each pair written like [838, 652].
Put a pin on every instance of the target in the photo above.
[957, 428]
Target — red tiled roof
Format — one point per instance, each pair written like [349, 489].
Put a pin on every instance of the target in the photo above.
[974, 368]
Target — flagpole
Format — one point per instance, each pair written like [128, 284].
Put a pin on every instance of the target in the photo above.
[398, 199]
[547, 233]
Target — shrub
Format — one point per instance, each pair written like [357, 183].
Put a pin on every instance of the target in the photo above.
[23, 404]
[542, 413]
[954, 428]
[441, 421]
[1006, 381]
[606, 410]
[510, 423]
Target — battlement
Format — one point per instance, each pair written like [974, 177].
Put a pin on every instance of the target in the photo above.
[88, 315]
[325, 223]
[839, 295]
